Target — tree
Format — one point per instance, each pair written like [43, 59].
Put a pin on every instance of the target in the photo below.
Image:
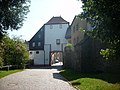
[1, 53]
[12, 14]
[14, 52]
[104, 16]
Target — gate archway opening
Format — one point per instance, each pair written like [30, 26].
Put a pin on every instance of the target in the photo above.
[57, 57]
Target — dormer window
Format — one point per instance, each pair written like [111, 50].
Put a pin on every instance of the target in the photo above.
[51, 26]
[57, 41]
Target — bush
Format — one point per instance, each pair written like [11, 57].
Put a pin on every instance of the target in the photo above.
[69, 45]
[15, 52]
[1, 61]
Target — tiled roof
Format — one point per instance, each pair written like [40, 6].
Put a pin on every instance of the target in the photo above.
[56, 20]
[68, 33]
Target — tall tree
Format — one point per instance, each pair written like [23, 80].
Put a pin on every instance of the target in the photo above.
[104, 16]
[12, 14]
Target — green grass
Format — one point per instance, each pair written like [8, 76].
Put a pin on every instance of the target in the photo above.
[92, 81]
[4, 73]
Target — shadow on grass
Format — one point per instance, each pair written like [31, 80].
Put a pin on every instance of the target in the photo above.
[76, 83]
[108, 77]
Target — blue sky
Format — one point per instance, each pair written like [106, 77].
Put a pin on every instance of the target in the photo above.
[43, 10]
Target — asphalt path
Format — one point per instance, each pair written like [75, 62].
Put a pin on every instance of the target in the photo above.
[38, 78]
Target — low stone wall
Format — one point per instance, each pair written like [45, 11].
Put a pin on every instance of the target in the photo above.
[86, 58]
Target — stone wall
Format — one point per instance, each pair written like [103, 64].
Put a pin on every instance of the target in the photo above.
[85, 57]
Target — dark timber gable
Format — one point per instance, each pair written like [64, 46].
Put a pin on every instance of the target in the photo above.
[37, 41]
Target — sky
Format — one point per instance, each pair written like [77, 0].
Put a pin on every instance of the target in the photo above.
[42, 11]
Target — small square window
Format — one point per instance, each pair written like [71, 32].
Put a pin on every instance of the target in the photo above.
[37, 52]
[74, 41]
[74, 29]
[30, 52]
[77, 39]
[77, 27]
[51, 26]
[57, 41]
[33, 44]
[60, 26]
[39, 43]
[39, 36]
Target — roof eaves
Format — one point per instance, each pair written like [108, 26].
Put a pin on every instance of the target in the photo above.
[57, 23]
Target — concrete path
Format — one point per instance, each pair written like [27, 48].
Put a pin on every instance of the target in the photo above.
[35, 79]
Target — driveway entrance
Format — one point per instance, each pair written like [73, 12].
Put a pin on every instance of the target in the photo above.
[46, 78]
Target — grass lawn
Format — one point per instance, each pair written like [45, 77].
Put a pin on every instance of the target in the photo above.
[92, 81]
[4, 73]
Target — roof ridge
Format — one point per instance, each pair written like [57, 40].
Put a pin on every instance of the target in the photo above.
[56, 20]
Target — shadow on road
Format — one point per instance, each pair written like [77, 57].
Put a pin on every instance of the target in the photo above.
[58, 76]
[57, 66]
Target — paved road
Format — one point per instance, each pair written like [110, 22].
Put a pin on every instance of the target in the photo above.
[35, 79]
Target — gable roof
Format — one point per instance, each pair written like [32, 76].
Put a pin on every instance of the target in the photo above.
[37, 32]
[74, 20]
[57, 20]
[68, 33]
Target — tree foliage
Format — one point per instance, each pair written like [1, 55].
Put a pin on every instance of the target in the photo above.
[104, 16]
[12, 14]
[14, 52]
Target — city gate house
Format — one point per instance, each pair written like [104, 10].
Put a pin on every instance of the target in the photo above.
[49, 42]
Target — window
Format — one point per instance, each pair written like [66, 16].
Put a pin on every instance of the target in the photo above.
[37, 52]
[39, 36]
[77, 39]
[74, 29]
[77, 27]
[51, 26]
[33, 44]
[39, 43]
[30, 52]
[74, 41]
[41, 30]
[60, 26]
[57, 41]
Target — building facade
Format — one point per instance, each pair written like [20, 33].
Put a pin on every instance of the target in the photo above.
[48, 40]
[75, 32]
[36, 47]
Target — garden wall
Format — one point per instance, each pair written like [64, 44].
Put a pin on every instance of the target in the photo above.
[85, 57]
